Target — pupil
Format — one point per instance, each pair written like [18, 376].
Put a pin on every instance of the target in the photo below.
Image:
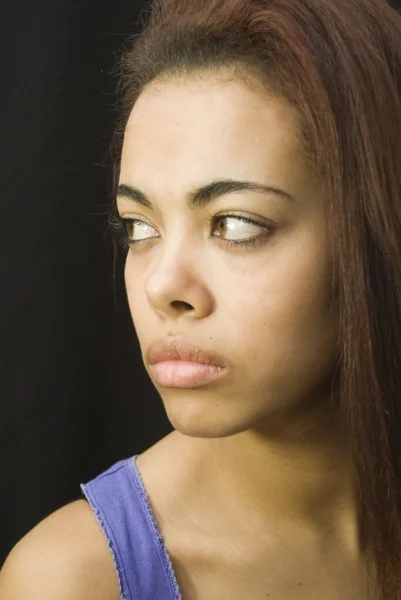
[129, 229]
[222, 226]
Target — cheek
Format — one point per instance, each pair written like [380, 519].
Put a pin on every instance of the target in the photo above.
[287, 316]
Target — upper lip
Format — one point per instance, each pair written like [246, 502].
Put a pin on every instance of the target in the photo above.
[172, 348]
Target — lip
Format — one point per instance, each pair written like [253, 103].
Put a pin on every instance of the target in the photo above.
[172, 348]
[174, 362]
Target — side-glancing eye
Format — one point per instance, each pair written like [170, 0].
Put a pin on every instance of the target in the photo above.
[138, 230]
[235, 228]
[129, 231]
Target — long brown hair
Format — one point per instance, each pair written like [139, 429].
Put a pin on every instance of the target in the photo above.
[339, 63]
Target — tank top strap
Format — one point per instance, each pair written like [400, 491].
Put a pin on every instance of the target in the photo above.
[122, 508]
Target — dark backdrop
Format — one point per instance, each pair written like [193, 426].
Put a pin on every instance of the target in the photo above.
[74, 397]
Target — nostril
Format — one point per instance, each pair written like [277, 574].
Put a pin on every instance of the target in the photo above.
[180, 305]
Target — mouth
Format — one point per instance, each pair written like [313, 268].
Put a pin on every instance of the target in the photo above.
[175, 363]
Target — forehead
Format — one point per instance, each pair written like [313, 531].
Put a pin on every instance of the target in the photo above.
[202, 128]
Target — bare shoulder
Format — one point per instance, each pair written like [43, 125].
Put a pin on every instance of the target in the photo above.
[65, 557]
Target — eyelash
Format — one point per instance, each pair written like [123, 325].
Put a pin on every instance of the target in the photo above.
[118, 229]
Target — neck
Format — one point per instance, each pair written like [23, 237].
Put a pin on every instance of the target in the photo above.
[294, 472]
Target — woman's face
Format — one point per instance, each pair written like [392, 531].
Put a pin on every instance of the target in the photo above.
[263, 305]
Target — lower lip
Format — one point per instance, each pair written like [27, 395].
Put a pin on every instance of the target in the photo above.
[182, 374]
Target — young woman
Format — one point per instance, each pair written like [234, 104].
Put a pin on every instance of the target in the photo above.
[259, 198]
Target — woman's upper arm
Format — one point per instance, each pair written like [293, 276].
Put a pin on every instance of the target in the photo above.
[64, 558]
[32, 572]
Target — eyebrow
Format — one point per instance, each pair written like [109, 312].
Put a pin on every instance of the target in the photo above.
[206, 194]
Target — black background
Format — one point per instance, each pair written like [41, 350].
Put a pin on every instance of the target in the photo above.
[74, 397]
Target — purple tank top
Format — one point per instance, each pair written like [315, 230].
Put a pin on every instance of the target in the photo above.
[122, 508]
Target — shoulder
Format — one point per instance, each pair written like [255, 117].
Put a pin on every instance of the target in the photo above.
[65, 557]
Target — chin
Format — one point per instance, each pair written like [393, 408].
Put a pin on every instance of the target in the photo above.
[196, 417]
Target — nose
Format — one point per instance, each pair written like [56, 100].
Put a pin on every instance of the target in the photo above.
[176, 288]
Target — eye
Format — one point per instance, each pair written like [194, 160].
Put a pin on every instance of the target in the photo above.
[138, 230]
[130, 231]
[237, 228]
